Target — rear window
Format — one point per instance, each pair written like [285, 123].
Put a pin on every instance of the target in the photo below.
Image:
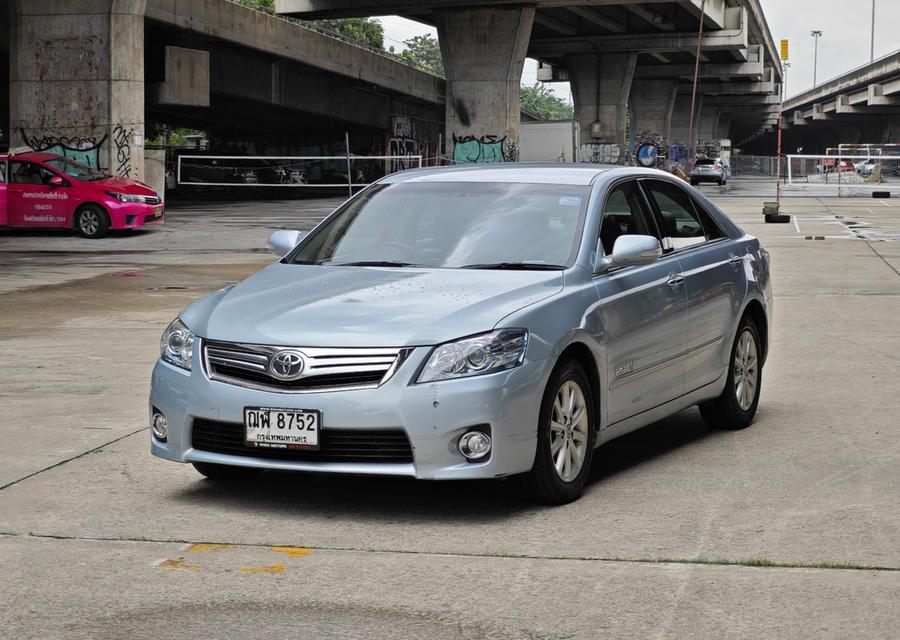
[705, 161]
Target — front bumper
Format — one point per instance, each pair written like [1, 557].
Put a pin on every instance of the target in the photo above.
[433, 416]
[133, 215]
[707, 177]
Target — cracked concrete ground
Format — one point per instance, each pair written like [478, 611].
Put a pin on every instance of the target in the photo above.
[788, 529]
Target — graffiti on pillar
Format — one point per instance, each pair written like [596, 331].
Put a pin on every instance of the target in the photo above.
[85, 150]
[404, 141]
[483, 150]
[511, 151]
[122, 143]
[601, 153]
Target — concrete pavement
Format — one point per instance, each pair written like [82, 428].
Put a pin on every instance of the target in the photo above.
[788, 529]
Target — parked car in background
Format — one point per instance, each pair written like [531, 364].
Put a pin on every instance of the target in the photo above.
[45, 190]
[708, 170]
[865, 168]
[471, 322]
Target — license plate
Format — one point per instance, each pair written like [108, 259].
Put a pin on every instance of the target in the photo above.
[157, 213]
[275, 428]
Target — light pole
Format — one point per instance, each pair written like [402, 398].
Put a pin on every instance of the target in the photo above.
[787, 65]
[872, 53]
[816, 34]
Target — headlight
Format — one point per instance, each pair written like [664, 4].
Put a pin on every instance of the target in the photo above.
[487, 353]
[177, 345]
[125, 197]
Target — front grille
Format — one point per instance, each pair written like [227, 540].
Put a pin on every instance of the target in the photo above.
[323, 369]
[335, 445]
[151, 199]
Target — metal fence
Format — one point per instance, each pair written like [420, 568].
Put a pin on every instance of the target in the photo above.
[852, 172]
[287, 171]
[742, 166]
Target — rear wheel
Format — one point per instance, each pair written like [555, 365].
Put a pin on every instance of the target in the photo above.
[92, 222]
[736, 407]
[224, 471]
[565, 438]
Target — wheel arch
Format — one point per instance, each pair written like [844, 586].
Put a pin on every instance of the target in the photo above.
[83, 206]
[581, 353]
[757, 313]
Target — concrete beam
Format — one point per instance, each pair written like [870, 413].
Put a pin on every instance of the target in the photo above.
[739, 88]
[655, 18]
[750, 70]
[744, 99]
[256, 30]
[734, 39]
[877, 98]
[819, 112]
[598, 19]
[187, 79]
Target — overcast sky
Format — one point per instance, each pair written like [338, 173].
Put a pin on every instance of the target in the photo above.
[845, 25]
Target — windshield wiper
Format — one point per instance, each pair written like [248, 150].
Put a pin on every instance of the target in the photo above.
[373, 263]
[516, 266]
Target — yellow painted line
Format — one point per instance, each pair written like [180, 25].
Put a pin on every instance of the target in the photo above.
[178, 563]
[204, 546]
[278, 567]
[292, 552]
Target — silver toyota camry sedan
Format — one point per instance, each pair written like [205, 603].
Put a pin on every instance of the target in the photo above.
[458, 323]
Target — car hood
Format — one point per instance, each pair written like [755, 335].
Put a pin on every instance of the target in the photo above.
[123, 185]
[322, 306]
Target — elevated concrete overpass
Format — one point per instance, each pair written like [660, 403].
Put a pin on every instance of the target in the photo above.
[93, 73]
[861, 106]
[617, 54]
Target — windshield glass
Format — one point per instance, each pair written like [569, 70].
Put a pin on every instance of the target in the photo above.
[75, 169]
[454, 225]
[705, 161]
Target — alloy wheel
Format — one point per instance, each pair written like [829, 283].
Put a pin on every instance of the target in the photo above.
[746, 370]
[569, 426]
[89, 222]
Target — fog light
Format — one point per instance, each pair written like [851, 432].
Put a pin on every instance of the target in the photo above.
[475, 445]
[160, 427]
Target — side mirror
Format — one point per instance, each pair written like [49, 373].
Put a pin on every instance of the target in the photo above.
[633, 250]
[56, 181]
[281, 242]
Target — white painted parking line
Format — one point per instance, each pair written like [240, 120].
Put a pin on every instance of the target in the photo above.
[796, 225]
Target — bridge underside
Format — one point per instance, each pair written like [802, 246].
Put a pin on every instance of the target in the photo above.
[620, 56]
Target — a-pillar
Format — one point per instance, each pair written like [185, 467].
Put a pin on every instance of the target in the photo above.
[483, 50]
[651, 104]
[600, 85]
[77, 81]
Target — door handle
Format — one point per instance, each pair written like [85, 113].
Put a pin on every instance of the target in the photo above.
[676, 279]
[735, 260]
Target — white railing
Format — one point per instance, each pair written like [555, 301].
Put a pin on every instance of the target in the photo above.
[288, 171]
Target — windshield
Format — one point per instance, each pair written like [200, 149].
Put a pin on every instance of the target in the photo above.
[705, 161]
[453, 225]
[76, 170]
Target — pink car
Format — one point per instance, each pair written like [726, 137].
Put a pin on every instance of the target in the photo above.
[47, 190]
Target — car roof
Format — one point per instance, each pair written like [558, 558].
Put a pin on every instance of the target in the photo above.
[571, 174]
[39, 156]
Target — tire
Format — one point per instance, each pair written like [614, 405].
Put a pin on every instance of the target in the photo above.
[736, 407]
[224, 471]
[91, 222]
[544, 483]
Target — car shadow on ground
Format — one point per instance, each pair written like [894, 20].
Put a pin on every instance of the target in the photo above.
[57, 232]
[380, 498]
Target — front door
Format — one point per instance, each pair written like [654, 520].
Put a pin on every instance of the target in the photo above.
[31, 200]
[643, 313]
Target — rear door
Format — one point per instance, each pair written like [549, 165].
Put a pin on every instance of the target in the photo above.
[4, 214]
[714, 277]
[643, 314]
[32, 201]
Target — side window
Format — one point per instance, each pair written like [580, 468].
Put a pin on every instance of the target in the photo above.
[23, 172]
[624, 214]
[681, 226]
[710, 226]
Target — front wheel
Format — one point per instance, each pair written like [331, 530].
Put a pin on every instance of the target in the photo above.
[92, 222]
[565, 438]
[736, 407]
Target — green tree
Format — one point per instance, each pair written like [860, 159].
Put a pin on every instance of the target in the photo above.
[363, 30]
[540, 101]
[426, 51]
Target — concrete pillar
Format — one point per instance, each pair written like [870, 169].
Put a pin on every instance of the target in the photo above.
[484, 51]
[651, 104]
[707, 126]
[723, 127]
[78, 81]
[681, 115]
[600, 85]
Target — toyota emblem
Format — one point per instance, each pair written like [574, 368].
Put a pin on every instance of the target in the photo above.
[287, 365]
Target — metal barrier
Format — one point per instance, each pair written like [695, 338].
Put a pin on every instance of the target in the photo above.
[851, 172]
[288, 171]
